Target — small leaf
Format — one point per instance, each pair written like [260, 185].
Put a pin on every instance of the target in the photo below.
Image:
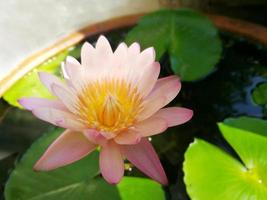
[211, 173]
[80, 180]
[259, 94]
[30, 85]
[189, 37]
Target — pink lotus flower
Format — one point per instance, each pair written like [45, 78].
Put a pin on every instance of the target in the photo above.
[113, 100]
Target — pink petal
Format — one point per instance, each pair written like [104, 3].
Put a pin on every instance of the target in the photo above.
[59, 118]
[128, 66]
[151, 126]
[128, 137]
[74, 70]
[148, 78]
[119, 58]
[175, 115]
[95, 137]
[49, 79]
[144, 157]
[168, 86]
[103, 58]
[68, 75]
[151, 107]
[31, 103]
[72, 60]
[108, 135]
[111, 163]
[70, 67]
[138, 68]
[103, 47]
[87, 54]
[64, 72]
[134, 48]
[121, 49]
[123, 62]
[67, 148]
[147, 57]
[98, 61]
[66, 96]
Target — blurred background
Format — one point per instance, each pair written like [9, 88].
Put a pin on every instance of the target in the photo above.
[28, 26]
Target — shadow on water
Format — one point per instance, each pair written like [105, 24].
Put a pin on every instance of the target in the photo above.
[224, 93]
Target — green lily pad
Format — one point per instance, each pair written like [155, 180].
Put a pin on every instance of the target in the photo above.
[80, 180]
[30, 85]
[189, 37]
[134, 188]
[211, 173]
[259, 94]
[257, 126]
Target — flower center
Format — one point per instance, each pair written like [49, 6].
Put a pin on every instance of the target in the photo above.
[109, 105]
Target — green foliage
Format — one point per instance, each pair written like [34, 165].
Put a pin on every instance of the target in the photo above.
[30, 85]
[189, 37]
[211, 173]
[80, 180]
[255, 125]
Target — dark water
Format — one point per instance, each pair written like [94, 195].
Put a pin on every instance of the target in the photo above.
[224, 93]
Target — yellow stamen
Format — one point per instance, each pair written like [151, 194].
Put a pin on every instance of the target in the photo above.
[109, 105]
[111, 110]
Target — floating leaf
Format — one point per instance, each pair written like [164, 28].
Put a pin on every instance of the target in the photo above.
[189, 37]
[133, 188]
[30, 85]
[259, 94]
[257, 126]
[211, 173]
[80, 180]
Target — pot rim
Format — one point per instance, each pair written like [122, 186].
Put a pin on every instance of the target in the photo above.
[243, 28]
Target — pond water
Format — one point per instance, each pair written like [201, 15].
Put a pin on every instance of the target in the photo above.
[226, 92]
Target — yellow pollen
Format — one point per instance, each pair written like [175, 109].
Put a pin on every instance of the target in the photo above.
[109, 105]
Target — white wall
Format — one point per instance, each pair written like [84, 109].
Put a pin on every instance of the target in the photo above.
[30, 25]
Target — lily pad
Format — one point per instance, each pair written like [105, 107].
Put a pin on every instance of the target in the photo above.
[190, 38]
[260, 94]
[255, 125]
[80, 180]
[30, 85]
[211, 173]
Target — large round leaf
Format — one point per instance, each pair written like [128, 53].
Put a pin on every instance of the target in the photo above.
[189, 37]
[211, 173]
[80, 180]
